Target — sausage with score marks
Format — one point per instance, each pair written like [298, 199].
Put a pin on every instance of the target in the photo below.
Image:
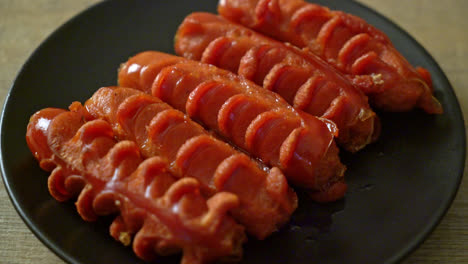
[304, 80]
[164, 215]
[255, 119]
[348, 42]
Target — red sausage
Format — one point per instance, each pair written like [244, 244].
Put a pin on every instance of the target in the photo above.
[164, 214]
[345, 41]
[184, 85]
[288, 71]
[266, 201]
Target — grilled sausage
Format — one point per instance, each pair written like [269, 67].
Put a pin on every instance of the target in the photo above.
[254, 119]
[304, 80]
[345, 41]
[163, 214]
[266, 200]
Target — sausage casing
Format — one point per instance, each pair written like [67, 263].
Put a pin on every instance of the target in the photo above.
[266, 200]
[345, 41]
[163, 214]
[304, 80]
[299, 144]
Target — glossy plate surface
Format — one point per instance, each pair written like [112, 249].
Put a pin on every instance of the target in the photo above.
[400, 187]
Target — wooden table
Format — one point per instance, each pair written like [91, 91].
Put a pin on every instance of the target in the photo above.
[440, 26]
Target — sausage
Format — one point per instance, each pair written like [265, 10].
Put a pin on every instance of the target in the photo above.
[301, 145]
[266, 200]
[345, 41]
[164, 214]
[304, 80]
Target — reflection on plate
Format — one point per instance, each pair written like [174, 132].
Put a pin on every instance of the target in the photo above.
[400, 187]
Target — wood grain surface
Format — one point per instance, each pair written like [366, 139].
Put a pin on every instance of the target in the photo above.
[440, 26]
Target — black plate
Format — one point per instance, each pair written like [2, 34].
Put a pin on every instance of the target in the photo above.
[400, 187]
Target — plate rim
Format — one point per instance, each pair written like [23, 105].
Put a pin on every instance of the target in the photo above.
[39, 234]
[415, 243]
